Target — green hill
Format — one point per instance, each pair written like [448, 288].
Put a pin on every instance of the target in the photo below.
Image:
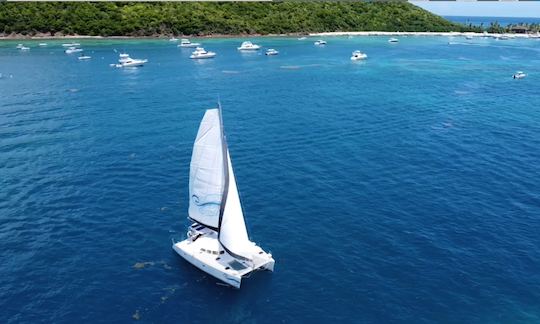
[204, 18]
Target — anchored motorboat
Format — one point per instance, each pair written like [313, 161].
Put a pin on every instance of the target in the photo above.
[73, 49]
[84, 57]
[173, 39]
[248, 46]
[357, 56]
[184, 42]
[271, 51]
[302, 38]
[42, 44]
[201, 53]
[519, 75]
[24, 48]
[217, 241]
[71, 44]
[320, 42]
[393, 40]
[126, 61]
[19, 46]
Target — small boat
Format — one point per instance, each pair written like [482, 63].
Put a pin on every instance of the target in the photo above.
[19, 46]
[357, 56]
[201, 53]
[24, 48]
[468, 37]
[393, 40]
[71, 45]
[320, 42]
[503, 37]
[271, 51]
[217, 241]
[126, 61]
[42, 44]
[186, 43]
[84, 57]
[519, 75]
[248, 46]
[72, 50]
[174, 39]
[302, 38]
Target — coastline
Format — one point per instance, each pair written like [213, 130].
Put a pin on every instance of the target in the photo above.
[324, 34]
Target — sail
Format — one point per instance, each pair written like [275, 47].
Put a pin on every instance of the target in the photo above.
[233, 234]
[207, 174]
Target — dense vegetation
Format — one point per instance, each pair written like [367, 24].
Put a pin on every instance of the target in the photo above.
[204, 18]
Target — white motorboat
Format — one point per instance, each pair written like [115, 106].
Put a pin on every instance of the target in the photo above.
[393, 40]
[24, 48]
[71, 45]
[173, 39]
[217, 241]
[84, 57]
[271, 52]
[357, 56]
[519, 75]
[201, 53]
[19, 46]
[126, 61]
[302, 38]
[184, 42]
[72, 50]
[42, 44]
[320, 42]
[248, 46]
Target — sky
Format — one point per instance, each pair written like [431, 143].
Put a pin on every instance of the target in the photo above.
[482, 8]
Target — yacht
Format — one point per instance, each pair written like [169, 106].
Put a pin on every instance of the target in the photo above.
[357, 56]
[126, 61]
[248, 46]
[72, 50]
[393, 40]
[519, 75]
[320, 42]
[71, 45]
[271, 51]
[201, 53]
[217, 241]
[184, 42]
[84, 57]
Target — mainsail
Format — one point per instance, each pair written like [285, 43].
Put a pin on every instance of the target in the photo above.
[214, 200]
[207, 174]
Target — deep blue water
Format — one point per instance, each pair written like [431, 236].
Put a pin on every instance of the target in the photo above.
[486, 21]
[400, 189]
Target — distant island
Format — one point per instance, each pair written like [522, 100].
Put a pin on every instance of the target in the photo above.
[136, 19]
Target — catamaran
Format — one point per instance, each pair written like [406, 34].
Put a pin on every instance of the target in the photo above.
[217, 241]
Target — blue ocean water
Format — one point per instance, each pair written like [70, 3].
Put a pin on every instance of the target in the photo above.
[486, 21]
[404, 188]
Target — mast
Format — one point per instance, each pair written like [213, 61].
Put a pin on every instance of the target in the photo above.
[225, 153]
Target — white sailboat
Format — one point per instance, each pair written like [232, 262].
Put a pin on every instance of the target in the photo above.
[218, 242]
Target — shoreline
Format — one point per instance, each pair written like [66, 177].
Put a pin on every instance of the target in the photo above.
[323, 34]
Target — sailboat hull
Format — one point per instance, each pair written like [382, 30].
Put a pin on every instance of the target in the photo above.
[204, 253]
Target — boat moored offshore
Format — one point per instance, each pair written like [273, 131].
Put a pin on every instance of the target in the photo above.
[248, 46]
[320, 42]
[357, 56]
[126, 61]
[73, 49]
[519, 75]
[217, 241]
[184, 42]
[393, 40]
[271, 52]
[201, 53]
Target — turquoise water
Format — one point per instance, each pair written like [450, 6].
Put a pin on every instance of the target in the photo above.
[400, 189]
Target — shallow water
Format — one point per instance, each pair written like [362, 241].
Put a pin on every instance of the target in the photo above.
[399, 189]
